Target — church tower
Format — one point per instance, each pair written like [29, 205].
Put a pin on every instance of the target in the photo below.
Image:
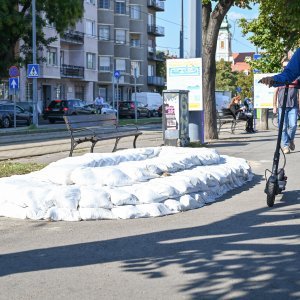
[224, 42]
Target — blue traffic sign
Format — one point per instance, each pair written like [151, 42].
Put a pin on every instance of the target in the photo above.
[33, 70]
[117, 74]
[14, 84]
[256, 56]
[13, 71]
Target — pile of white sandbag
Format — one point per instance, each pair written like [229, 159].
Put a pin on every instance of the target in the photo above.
[133, 183]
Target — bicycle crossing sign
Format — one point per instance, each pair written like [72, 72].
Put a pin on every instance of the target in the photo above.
[33, 70]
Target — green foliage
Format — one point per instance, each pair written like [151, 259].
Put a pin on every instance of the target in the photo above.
[16, 25]
[226, 80]
[245, 82]
[275, 31]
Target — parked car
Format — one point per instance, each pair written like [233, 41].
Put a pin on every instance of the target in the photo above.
[59, 108]
[26, 105]
[108, 109]
[127, 109]
[23, 117]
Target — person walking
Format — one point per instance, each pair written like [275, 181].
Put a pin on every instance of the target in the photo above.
[290, 116]
[99, 103]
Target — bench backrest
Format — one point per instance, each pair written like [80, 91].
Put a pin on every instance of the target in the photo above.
[93, 120]
[225, 112]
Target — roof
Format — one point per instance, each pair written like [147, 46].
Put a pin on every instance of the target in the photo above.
[240, 61]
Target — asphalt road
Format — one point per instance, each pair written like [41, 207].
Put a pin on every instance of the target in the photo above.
[236, 248]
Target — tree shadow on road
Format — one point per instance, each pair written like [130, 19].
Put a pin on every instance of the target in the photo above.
[251, 255]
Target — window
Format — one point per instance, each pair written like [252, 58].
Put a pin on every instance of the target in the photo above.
[120, 36]
[104, 33]
[120, 7]
[91, 61]
[135, 12]
[104, 63]
[121, 64]
[79, 92]
[135, 68]
[222, 45]
[151, 45]
[135, 40]
[150, 70]
[90, 27]
[104, 4]
[52, 57]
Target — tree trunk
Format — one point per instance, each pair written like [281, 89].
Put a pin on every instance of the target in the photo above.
[211, 24]
[264, 125]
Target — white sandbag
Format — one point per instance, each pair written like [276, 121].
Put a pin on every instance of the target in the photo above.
[188, 202]
[67, 196]
[62, 214]
[11, 210]
[101, 176]
[173, 205]
[120, 197]
[96, 214]
[135, 173]
[127, 212]
[154, 209]
[93, 197]
[162, 187]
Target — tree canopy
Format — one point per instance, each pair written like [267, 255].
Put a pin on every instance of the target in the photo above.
[16, 26]
[275, 32]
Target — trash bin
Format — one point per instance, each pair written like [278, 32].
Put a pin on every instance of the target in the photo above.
[175, 115]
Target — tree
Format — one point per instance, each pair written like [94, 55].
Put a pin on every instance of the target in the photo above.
[211, 21]
[16, 27]
[275, 31]
[226, 80]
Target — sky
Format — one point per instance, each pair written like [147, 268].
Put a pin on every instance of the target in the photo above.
[170, 19]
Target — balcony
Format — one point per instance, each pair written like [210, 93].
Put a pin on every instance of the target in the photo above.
[155, 80]
[156, 30]
[156, 56]
[157, 5]
[69, 71]
[72, 36]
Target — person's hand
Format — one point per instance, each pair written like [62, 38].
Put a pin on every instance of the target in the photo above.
[267, 81]
[275, 109]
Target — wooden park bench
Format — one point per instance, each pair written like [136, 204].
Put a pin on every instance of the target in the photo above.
[94, 128]
[225, 116]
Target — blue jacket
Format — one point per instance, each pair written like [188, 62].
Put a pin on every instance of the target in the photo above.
[291, 71]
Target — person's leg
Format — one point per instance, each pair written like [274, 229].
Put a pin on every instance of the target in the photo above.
[292, 122]
[284, 137]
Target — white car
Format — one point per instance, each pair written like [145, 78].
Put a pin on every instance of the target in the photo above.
[108, 109]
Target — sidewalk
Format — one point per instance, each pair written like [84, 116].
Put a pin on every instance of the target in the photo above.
[235, 248]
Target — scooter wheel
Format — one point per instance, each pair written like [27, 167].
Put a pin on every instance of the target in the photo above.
[270, 200]
[271, 193]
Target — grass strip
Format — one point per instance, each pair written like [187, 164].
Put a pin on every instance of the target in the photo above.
[11, 168]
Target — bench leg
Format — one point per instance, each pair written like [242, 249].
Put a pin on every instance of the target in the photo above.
[73, 145]
[134, 141]
[116, 144]
[233, 125]
[93, 146]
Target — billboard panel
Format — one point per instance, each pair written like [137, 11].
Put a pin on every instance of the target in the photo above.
[263, 95]
[186, 74]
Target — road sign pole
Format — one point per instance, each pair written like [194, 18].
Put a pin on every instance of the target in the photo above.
[135, 104]
[15, 118]
[118, 100]
[34, 80]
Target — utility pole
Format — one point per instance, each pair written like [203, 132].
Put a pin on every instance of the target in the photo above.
[135, 103]
[181, 33]
[196, 118]
[34, 80]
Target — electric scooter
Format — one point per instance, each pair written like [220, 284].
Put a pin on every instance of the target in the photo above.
[277, 180]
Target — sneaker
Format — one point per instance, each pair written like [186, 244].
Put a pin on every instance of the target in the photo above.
[286, 150]
[292, 145]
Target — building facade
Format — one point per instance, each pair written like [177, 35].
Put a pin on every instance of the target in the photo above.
[223, 50]
[113, 35]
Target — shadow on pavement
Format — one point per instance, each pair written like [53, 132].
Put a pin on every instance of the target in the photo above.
[232, 258]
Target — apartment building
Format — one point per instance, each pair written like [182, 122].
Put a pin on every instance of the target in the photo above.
[127, 32]
[113, 35]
